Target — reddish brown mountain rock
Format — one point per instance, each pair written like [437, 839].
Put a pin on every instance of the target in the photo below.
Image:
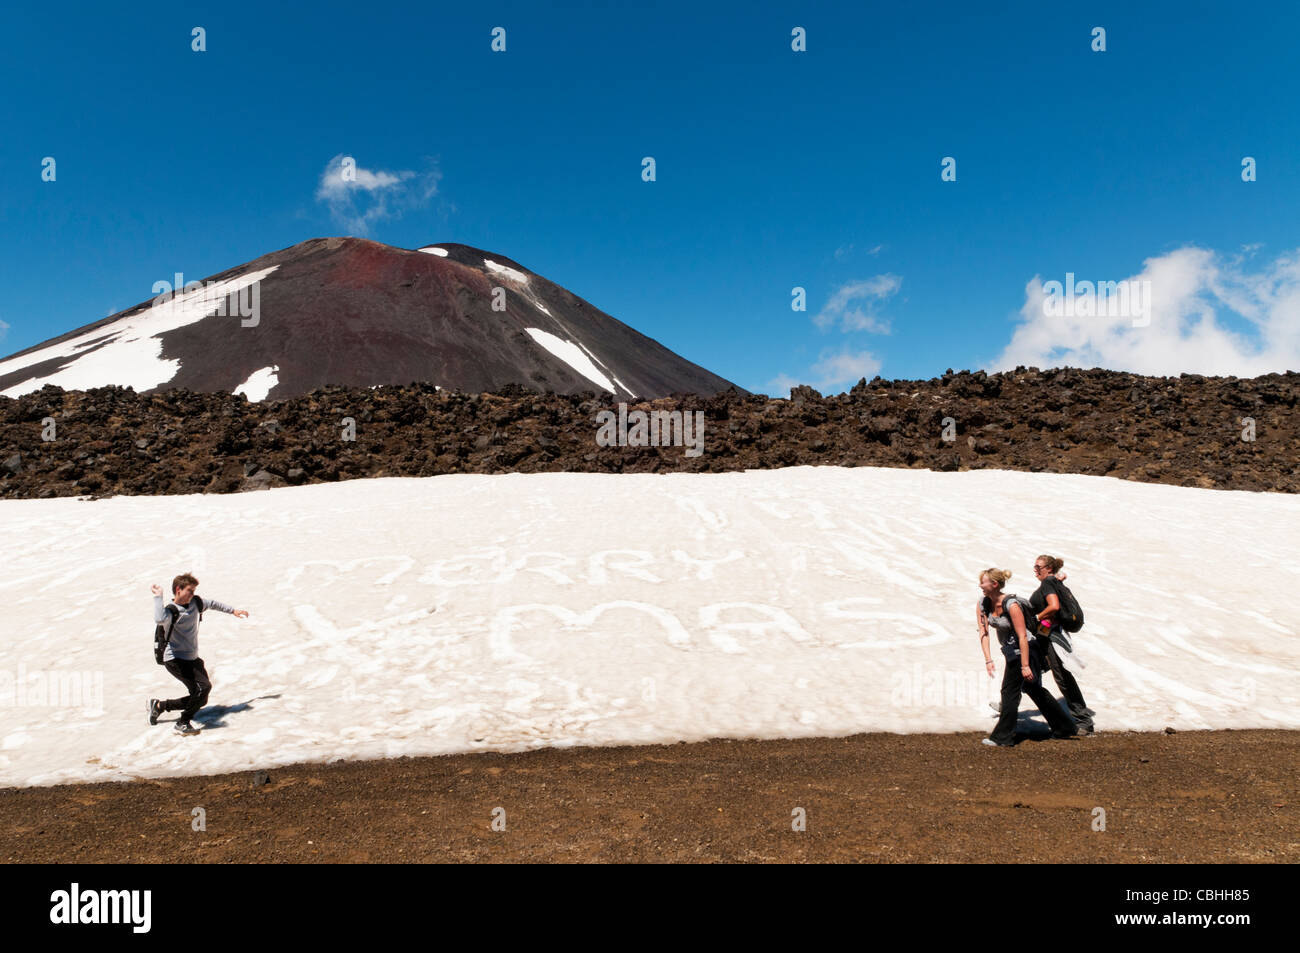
[355, 313]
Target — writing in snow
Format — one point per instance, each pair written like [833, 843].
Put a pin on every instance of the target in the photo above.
[654, 428]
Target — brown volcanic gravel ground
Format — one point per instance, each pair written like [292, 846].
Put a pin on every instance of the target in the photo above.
[1185, 431]
[1226, 796]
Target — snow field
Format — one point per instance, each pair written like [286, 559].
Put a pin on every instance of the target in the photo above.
[458, 613]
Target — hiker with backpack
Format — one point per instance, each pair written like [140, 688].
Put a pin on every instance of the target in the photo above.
[982, 621]
[1057, 614]
[1008, 615]
[176, 647]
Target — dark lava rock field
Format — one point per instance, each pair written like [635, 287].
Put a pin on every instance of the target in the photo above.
[1222, 433]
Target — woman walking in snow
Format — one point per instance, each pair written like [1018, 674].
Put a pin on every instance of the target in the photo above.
[1046, 604]
[1007, 615]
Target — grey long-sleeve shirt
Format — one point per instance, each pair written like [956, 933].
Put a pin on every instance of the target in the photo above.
[184, 643]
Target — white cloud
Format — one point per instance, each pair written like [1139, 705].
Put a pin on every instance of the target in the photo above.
[844, 369]
[844, 251]
[853, 305]
[834, 372]
[357, 197]
[780, 385]
[1207, 314]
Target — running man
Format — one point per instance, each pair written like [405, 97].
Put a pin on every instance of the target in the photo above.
[181, 656]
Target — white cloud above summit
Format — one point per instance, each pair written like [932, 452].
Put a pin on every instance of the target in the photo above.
[358, 198]
[1208, 314]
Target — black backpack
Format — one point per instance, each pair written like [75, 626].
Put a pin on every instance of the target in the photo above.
[1025, 609]
[161, 635]
[1071, 613]
[986, 606]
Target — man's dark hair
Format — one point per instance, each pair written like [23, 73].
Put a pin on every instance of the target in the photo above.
[184, 579]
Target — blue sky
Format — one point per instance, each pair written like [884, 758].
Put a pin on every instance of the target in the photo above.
[775, 169]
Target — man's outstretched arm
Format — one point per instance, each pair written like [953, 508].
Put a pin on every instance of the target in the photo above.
[223, 607]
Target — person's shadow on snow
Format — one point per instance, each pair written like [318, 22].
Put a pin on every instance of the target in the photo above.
[214, 716]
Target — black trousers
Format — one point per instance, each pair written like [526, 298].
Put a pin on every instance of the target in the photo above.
[195, 677]
[1013, 684]
[1079, 709]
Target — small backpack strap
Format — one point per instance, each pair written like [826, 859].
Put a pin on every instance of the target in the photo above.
[175, 613]
[1025, 610]
[199, 602]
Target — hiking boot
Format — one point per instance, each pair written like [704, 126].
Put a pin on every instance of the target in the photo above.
[996, 744]
[996, 706]
[155, 709]
[185, 728]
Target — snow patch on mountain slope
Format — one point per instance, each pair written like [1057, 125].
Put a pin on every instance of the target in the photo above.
[604, 365]
[506, 272]
[510, 274]
[259, 383]
[435, 250]
[572, 355]
[132, 357]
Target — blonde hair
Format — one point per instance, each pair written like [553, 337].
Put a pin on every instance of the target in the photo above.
[1053, 564]
[998, 577]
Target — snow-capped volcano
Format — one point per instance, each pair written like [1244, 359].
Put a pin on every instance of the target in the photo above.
[359, 313]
